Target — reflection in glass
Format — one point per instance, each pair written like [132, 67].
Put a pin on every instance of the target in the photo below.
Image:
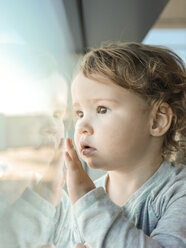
[33, 99]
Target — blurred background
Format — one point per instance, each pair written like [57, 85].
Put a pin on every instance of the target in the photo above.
[41, 42]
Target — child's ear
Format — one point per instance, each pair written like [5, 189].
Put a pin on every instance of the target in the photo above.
[161, 119]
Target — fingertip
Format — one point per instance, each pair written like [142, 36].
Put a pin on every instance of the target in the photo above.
[68, 156]
[69, 143]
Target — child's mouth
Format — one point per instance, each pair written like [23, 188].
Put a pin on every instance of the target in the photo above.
[87, 151]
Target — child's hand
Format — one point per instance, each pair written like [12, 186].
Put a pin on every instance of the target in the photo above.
[51, 185]
[78, 181]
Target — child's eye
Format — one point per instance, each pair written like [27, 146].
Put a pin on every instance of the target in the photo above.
[102, 110]
[79, 114]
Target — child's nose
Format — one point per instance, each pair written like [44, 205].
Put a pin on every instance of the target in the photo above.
[85, 128]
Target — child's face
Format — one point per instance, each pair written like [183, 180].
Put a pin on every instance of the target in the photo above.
[112, 128]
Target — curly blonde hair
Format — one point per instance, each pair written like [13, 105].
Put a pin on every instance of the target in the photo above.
[155, 73]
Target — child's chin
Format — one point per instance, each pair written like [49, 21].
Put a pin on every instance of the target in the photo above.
[95, 166]
[92, 166]
[94, 163]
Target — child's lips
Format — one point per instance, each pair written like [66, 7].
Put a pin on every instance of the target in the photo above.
[86, 149]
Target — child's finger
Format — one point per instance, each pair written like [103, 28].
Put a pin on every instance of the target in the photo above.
[72, 152]
[70, 163]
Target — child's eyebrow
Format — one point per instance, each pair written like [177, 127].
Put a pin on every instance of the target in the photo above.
[76, 104]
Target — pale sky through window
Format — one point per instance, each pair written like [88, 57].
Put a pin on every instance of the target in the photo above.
[174, 39]
[36, 54]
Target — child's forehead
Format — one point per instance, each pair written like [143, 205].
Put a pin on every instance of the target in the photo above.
[86, 90]
[93, 85]
[96, 78]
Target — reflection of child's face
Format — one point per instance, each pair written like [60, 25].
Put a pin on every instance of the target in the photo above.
[112, 128]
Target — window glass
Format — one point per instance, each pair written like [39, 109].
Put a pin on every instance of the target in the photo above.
[175, 39]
